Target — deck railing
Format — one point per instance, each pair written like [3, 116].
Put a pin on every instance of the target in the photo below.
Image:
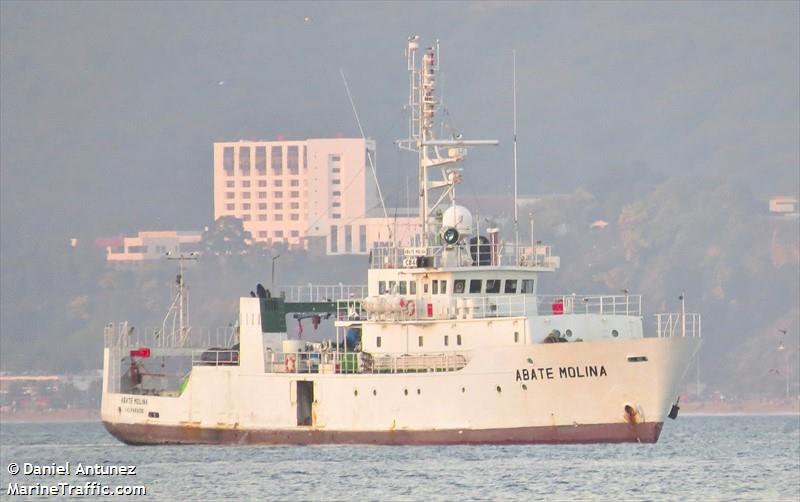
[125, 335]
[483, 307]
[322, 293]
[674, 324]
[502, 254]
[215, 357]
[361, 362]
[590, 304]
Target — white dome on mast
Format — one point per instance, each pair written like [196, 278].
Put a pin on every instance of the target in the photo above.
[457, 217]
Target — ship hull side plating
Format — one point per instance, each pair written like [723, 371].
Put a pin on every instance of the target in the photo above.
[149, 434]
[587, 392]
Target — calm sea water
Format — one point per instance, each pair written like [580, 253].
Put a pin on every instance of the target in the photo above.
[698, 458]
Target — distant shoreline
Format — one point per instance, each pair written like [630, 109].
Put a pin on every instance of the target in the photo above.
[751, 407]
[43, 416]
[703, 408]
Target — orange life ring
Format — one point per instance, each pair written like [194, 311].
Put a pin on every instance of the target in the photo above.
[290, 362]
[411, 308]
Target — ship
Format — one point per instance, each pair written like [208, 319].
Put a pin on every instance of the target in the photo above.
[449, 342]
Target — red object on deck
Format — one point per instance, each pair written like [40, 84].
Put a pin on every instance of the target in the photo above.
[141, 352]
[558, 307]
[430, 310]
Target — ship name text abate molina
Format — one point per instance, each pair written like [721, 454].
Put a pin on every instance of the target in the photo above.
[449, 342]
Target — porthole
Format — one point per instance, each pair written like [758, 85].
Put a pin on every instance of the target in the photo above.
[374, 392]
[355, 392]
[568, 333]
[405, 392]
[524, 387]
[419, 391]
[499, 390]
[614, 333]
[530, 361]
[458, 339]
[557, 333]
[463, 390]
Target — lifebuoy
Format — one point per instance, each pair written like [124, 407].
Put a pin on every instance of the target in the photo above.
[290, 363]
[411, 308]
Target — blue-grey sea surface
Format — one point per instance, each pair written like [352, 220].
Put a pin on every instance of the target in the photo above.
[698, 458]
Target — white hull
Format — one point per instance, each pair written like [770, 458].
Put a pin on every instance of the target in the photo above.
[581, 386]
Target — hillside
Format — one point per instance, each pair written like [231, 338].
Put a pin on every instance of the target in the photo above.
[738, 265]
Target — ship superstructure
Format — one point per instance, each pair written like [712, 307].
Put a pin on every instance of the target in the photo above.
[448, 342]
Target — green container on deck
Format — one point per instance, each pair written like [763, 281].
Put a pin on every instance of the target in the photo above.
[349, 362]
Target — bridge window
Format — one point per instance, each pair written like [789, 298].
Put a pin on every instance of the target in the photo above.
[435, 286]
[446, 340]
[412, 287]
[511, 286]
[458, 286]
[392, 288]
[493, 285]
[475, 286]
[402, 288]
[378, 342]
[527, 287]
[420, 341]
[443, 287]
[381, 287]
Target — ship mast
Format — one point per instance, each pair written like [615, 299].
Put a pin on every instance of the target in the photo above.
[179, 310]
[433, 153]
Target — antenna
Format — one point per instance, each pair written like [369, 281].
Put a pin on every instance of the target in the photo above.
[516, 215]
[369, 158]
[433, 154]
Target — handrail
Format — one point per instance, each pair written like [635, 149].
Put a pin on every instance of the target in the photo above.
[409, 308]
[215, 357]
[590, 304]
[671, 324]
[314, 293]
[339, 362]
[124, 335]
[486, 254]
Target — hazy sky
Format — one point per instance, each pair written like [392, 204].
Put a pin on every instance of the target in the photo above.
[109, 109]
